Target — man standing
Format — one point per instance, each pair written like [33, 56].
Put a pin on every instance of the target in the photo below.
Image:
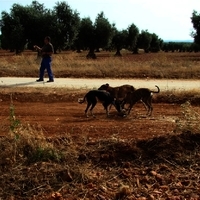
[46, 52]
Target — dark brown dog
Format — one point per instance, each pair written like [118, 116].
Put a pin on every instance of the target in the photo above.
[141, 94]
[92, 96]
[117, 92]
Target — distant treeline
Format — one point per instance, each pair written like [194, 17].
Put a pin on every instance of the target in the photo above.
[27, 25]
[180, 47]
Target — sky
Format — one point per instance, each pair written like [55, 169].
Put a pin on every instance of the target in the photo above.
[170, 19]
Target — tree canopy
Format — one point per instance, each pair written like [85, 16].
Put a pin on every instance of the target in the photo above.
[25, 26]
[196, 25]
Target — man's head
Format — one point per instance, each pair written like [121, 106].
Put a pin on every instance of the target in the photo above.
[47, 39]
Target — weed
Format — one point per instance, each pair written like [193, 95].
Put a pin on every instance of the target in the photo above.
[40, 154]
[14, 123]
[190, 121]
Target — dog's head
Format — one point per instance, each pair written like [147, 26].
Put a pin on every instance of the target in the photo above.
[104, 87]
[117, 104]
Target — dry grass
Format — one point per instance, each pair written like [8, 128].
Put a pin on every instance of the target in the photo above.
[190, 120]
[72, 64]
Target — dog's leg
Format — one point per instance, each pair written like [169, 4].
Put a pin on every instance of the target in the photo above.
[124, 107]
[147, 108]
[151, 110]
[86, 110]
[149, 104]
[144, 104]
[93, 105]
[122, 104]
[129, 108]
[105, 105]
[110, 106]
[107, 112]
[117, 106]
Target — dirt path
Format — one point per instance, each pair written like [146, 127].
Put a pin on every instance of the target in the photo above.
[78, 83]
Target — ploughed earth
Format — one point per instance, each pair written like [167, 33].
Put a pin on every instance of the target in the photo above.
[57, 115]
[133, 157]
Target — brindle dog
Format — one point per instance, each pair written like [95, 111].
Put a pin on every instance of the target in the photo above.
[141, 94]
[119, 93]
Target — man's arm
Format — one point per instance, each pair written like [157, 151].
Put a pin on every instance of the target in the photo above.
[37, 48]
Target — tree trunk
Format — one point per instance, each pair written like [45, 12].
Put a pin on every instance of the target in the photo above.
[97, 50]
[91, 54]
[17, 51]
[118, 53]
[135, 51]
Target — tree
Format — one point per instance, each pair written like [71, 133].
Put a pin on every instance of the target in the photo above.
[155, 43]
[22, 24]
[133, 33]
[37, 21]
[0, 41]
[119, 40]
[144, 40]
[34, 22]
[94, 36]
[66, 26]
[12, 33]
[196, 25]
[86, 37]
[103, 31]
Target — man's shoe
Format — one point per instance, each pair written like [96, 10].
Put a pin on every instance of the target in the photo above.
[50, 81]
[39, 80]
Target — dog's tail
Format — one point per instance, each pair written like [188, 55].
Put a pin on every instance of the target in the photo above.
[156, 91]
[81, 100]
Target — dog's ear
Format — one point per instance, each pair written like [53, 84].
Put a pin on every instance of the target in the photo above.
[107, 86]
